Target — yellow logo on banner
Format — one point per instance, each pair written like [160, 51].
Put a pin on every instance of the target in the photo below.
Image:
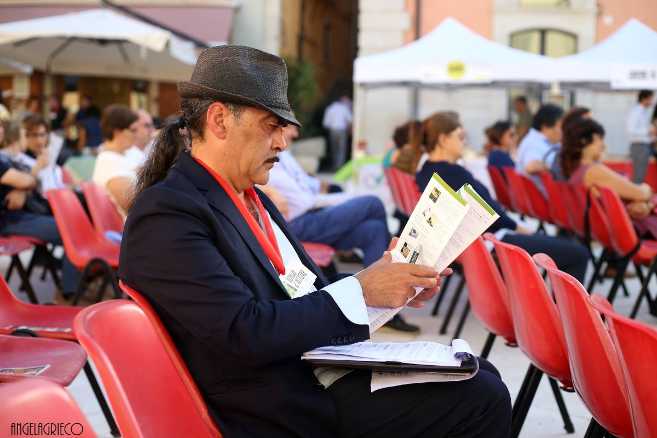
[456, 70]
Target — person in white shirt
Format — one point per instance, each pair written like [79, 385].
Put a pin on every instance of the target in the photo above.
[641, 133]
[539, 148]
[337, 120]
[113, 171]
[143, 139]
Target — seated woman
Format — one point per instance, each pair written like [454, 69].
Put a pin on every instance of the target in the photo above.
[20, 214]
[443, 139]
[113, 170]
[407, 152]
[501, 143]
[582, 150]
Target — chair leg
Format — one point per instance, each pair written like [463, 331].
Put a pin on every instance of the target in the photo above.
[488, 345]
[22, 273]
[452, 305]
[464, 316]
[595, 430]
[597, 267]
[441, 295]
[618, 279]
[107, 412]
[524, 399]
[567, 423]
[644, 289]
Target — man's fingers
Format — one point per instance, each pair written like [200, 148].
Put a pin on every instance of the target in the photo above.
[422, 271]
[425, 283]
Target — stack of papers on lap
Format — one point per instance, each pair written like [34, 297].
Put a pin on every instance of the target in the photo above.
[423, 355]
[443, 224]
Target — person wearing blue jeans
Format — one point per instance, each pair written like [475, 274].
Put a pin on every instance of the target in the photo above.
[21, 223]
[357, 223]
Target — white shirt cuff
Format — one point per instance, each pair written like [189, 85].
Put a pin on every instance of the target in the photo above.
[348, 295]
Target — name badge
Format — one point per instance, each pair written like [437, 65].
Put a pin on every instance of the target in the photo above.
[298, 280]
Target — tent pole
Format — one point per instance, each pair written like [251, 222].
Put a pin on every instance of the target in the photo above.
[415, 102]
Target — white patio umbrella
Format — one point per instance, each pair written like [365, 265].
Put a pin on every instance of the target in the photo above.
[98, 42]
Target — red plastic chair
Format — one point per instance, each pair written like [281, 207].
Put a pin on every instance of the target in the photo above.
[163, 402]
[103, 212]
[535, 320]
[555, 198]
[519, 199]
[321, 254]
[487, 294]
[63, 360]
[52, 322]
[537, 203]
[594, 364]
[12, 246]
[404, 189]
[87, 249]
[575, 202]
[500, 186]
[40, 401]
[629, 247]
[636, 344]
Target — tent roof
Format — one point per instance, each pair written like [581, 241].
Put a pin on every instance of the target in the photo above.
[98, 42]
[451, 54]
[633, 47]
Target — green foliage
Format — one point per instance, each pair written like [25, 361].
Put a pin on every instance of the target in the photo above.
[302, 93]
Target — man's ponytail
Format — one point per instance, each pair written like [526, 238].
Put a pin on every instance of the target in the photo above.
[171, 142]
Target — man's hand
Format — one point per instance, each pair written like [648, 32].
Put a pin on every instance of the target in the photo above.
[15, 199]
[421, 299]
[41, 163]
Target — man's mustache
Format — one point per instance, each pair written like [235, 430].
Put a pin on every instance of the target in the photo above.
[273, 160]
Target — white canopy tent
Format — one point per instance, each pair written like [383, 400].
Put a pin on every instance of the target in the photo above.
[98, 42]
[452, 55]
[625, 60]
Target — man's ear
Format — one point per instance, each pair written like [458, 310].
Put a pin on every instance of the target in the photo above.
[216, 120]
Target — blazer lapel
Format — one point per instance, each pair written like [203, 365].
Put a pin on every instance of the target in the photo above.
[222, 203]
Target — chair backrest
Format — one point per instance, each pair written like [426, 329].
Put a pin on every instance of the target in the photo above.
[39, 400]
[538, 205]
[73, 224]
[596, 370]
[598, 223]
[404, 189]
[575, 202]
[149, 394]
[636, 344]
[500, 186]
[622, 234]
[519, 198]
[486, 290]
[103, 212]
[534, 314]
[555, 198]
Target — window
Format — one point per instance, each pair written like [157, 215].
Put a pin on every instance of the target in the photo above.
[549, 42]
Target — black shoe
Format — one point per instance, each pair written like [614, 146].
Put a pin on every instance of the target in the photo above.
[398, 323]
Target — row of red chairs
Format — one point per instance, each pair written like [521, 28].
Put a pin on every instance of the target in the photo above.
[606, 362]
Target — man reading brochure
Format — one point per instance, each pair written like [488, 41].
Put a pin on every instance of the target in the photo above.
[241, 298]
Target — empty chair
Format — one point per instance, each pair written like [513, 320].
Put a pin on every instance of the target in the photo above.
[519, 198]
[52, 322]
[596, 371]
[629, 247]
[403, 187]
[86, 248]
[636, 344]
[163, 402]
[103, 212]
[52, 359]
[500, 186]
[321, 255]
[535, 320]
[487, 294]
[575, 202]
[40, 401]
[555, 198]
[537, 203]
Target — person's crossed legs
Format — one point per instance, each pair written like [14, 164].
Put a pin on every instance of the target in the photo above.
[357, 223]
[479, 407]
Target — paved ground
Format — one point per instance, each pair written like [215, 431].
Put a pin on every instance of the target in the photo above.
[543, 419]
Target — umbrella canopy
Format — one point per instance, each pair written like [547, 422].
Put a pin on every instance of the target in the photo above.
[9, 67]
[98, 42]
[627, 59]
[452, 54]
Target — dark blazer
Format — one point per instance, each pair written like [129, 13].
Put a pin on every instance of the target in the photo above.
[187, 248]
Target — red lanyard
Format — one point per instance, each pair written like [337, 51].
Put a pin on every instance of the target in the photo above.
[268, 242]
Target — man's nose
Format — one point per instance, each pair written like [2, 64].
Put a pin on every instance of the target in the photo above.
[280, 141]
